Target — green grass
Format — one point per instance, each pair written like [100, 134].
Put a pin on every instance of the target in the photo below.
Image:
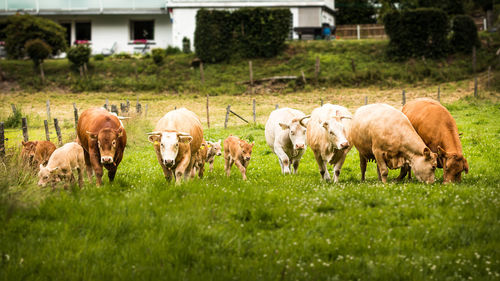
[272, 227]
[372, 67]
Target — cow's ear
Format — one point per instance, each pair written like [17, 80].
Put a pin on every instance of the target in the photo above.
[92, 136]
[120, 132]
[154, 139]
[24, 143]
[41, 166]
[427, 153]
[466, 166]
[325, 125]
[284, 126]
[219, 141]
[185, 139]
[441, 151]
[54, 170]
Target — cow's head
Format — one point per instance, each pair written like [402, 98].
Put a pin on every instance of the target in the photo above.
[107, 140]
[168, 143]
[214, 148]
[453, 165]
[29, 150]
[246, 149]
[424, 166]
[297, 131]
[48, 175]
[336, 131]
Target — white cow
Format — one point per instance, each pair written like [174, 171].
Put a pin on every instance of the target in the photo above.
[327, 133]
[286, 136]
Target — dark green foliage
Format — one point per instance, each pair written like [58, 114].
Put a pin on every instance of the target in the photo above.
[171, 50]
[355, 12]
[451, 7]
[158, 55]
[79, 54]
[212, 36]
[37, 50]
[416, 33]
[14, 120]
[99, 57]
[22, 28]
[248, 33]
[464, 34]
[186, 45]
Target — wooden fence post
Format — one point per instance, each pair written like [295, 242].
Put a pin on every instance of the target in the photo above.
[321, 102]
[2, 140]
[114, 108]
[208, 115]
[138, 106]
[122, 107]
[474, 59]
[202, 73]
[316, 69]
[439, 93]
[107, 104]
[276, 106]
[47, 133]
[75, 111]
[251, 72]
[358, 31]
[254, 114]
[404, 97]
[48, 109]
[14, 110]
[303, 76]
[24, 123]
[146, 111]
[366, 100]
[475, 87]
[228, 108]
[58, 131]
[128, 106]
[353, 65]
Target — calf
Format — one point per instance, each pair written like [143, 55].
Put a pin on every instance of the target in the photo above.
[384, 134]
[327, 133]
[286, 136]
[200, 158]
[437, 128]
[237, 151]
[37, 152]
[63, 164]
[177, 138]
[103, 139]
[214, 149]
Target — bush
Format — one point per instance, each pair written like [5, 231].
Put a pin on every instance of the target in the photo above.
[171, 50]
[464, 34]
[22, 28]
[212, 36]
[99, 57]
[158, 55]
[122, 55]
[79, 54]
[416, 33]
[14, 120]
[186, 45]
[37, 50]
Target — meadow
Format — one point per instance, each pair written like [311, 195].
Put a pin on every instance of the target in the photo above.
[271, 227]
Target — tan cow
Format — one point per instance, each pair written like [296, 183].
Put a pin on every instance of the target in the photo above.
[327, 133]
[63, 164]
[238, 152]
[37, 152]
[177, 138]
[382, 133]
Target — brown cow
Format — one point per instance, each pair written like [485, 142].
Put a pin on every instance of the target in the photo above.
[103, 139]
[382, 133]
[37, 152]
[237, 151]
[177, 138]
[200, 158]
[437, 128]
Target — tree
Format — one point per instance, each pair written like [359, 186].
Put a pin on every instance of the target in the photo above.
[22, 28]
[355, 12]
[79, 56]
[38, 51]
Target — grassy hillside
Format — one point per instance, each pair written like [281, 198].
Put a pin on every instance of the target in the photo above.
[272, 227]
[371, 67]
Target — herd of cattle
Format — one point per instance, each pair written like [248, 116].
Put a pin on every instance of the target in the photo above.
[421, 137]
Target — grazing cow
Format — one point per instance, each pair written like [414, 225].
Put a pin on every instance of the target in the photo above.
[63, 164]
[37, 152]
[286, 136]
[237, 151]
[177, 138]
[103, 139]
[437, 128]
[214, 149]
[327, 133]
[384, 134]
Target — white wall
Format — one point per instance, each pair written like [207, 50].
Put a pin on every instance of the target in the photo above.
[183, 26]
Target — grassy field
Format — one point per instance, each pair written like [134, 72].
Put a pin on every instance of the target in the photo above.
[271, 227]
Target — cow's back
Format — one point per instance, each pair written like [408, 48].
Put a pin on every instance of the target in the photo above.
[44, 150]
[183, 120]
[93, 120]
[434, 123]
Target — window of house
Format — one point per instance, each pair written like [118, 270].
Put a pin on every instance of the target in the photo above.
[67, 34]
[82, 31]
[142, 30]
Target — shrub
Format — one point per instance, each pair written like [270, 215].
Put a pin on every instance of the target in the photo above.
[171, 50]
[464, 34]
[416, 33]
[14, 120]
[37, 50]
[186, 45]
[122, 55]
[212, 35]
[22, 28]
[99, 57]
[79, 54]
[158, 55]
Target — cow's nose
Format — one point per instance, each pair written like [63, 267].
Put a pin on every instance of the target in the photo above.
[299, 146]
[219, 154]
[247, 158]
[168, 163]
[106, 159]
[344, 145]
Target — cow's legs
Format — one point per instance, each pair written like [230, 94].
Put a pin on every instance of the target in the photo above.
[211, 162]
[337, 167]
[202, 170]
[322, 167]
[242, 168]
[227, 165]
[285, 167]
[381, 166]
[97, 167]
[403, 172]
[88, 165]
[295, 165]
[167, 173]
[80, 176]
[183, 169]
[362, 166]
[111, 174]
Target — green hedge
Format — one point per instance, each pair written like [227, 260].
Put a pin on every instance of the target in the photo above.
[416, 33]
[464, 34]
[249, 32]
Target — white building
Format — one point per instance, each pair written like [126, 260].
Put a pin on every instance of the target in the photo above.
[135, 25]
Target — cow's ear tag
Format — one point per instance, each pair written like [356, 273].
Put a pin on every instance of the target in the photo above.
[209, 146]
[156, 142]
